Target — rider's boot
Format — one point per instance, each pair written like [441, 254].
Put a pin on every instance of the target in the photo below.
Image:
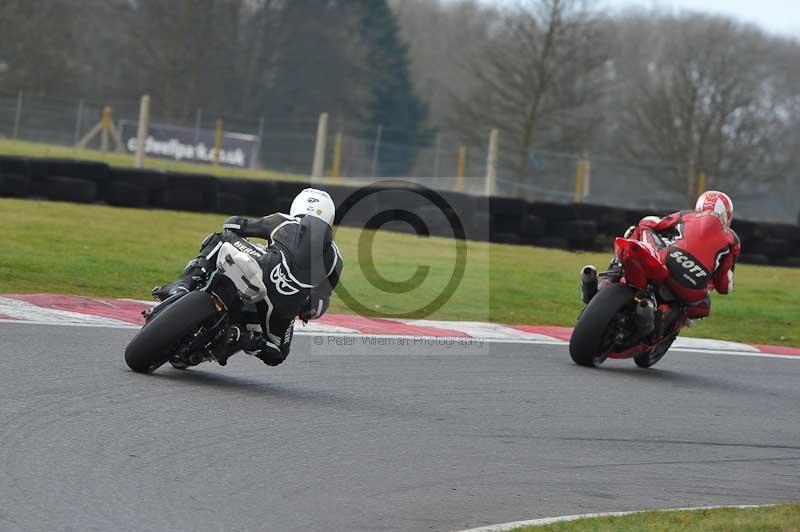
[258, 345]
[194, 274]
[588, 283]
[160, 293]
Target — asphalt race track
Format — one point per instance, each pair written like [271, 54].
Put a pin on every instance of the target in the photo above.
[374, 438]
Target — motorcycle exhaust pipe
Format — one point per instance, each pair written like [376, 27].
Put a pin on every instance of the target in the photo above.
[645, 317]
[588, 283]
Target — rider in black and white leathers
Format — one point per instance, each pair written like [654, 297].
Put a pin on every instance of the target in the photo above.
[301, 266]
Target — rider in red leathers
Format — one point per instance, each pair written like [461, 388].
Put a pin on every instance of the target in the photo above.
[698, 247]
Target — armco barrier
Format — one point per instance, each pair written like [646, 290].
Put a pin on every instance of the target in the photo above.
[504, 220]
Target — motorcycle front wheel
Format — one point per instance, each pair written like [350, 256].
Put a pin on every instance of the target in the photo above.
[150, 348]
[587, 345]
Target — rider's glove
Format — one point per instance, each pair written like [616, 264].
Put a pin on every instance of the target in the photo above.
[314, 309]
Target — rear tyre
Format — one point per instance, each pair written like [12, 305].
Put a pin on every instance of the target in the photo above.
[150, 348]
[588, 343]
[648, 360]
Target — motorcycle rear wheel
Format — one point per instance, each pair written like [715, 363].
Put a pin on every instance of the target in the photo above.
[150, 348]
[586, 345]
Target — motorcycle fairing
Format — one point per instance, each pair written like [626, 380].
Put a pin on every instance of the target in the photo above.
[244, 271]
[641, 263]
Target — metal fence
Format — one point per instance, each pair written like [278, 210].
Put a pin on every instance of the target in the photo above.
[441, 162]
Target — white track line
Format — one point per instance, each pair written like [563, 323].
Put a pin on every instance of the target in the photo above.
[479, 342]
[506, 527]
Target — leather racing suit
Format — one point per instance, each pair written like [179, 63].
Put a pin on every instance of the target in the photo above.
[301, 266]
[699, 251]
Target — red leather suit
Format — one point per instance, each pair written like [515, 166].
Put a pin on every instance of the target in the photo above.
[699, 251]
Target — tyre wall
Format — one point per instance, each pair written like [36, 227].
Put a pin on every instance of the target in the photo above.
[496, 219]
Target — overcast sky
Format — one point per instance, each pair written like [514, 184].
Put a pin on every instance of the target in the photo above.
[778, 16]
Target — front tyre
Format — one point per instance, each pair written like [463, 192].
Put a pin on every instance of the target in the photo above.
[150, 348]
[592, 338]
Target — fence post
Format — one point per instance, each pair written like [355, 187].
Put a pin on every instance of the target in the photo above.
[217, 141]
[318, 167]
[257, 148]
[490, 189]
[78, 124]
[701, 183]
[106, 128]
[462, 162]
[376, 151]
[198, 121]
[337, 157]
[436, 155]
[582, 178]
[18, 115]
[141, 133]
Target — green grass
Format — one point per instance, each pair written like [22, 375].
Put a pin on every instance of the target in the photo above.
[125, 160]
[104, 251]
[783, 518]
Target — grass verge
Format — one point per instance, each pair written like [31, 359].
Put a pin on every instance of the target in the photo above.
[115, 252]
[782, 518]
[125, 160]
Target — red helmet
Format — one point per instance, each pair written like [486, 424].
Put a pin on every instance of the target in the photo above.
[717, 202]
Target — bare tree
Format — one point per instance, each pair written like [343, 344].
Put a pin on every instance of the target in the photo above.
[538, 79]
[701, 89]
[37, 45]
[441, 36]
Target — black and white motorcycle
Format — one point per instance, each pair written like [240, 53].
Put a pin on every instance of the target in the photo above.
[189, 328]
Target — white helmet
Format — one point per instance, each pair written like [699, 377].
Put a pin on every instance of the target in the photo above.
[314, 202]
[717, 202]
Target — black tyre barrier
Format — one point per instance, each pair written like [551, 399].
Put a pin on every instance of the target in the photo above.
[91, 170]
[552, 212]
[580, 234]
[754, 258]
[579, 226]
[260, 197]
[791, 262]
[233, 204]
[436, 220]
[507, 214]
[287, 190]
[189, 193]
[552, 242]
[126, 194]
[37, 171]
[533, 227]
[15, 185]
[784, 232]
[144, 185]
[94, 171]
[506, 238]
[70, 189]
[14, 165]
[746, 230]
[481, 226]
[775, 248]
[357, 207]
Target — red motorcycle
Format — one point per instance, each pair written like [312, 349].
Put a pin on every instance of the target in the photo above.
[635, 314]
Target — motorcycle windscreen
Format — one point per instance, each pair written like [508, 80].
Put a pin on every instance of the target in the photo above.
[640, 261]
